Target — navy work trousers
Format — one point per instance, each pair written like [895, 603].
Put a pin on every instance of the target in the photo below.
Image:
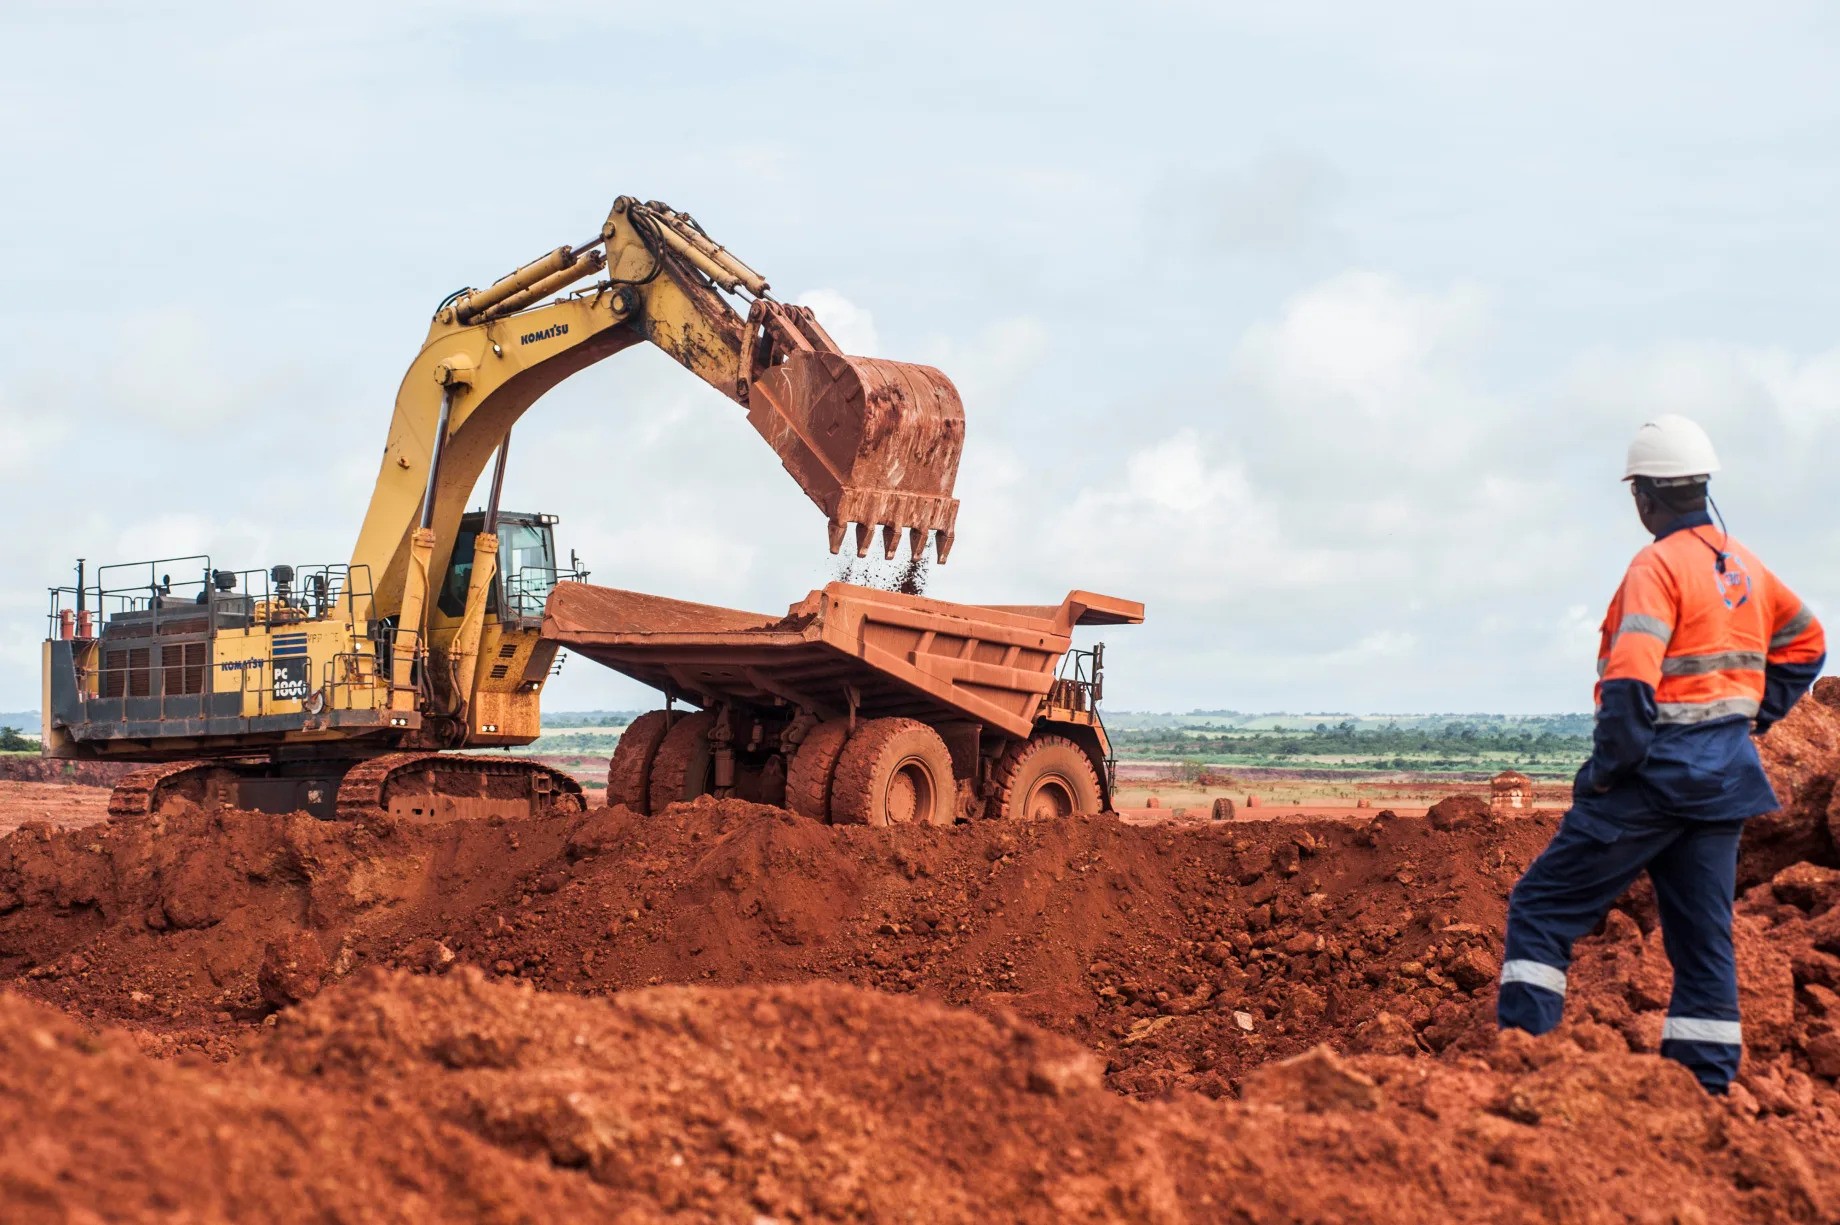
[1569, 889]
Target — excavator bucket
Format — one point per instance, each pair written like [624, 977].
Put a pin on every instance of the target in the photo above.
[874, 443]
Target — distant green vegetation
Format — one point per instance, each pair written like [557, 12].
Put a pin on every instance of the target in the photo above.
[1542, 745]
[581, 731]
[553, 721]
[567, 740]
[1547, 745]
[11, 741]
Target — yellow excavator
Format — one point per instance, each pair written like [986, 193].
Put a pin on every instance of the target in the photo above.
[336, 689]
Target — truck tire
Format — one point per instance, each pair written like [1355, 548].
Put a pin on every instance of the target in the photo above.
[814, 762]
[894, 772]
[1044, 777]
[629, 772]
[683, 767]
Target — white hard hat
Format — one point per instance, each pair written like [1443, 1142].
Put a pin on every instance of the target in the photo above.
[1670, 447]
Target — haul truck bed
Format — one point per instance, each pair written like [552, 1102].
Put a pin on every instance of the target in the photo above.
[985, 678]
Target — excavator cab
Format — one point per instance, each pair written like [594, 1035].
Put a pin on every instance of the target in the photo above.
[527, 568]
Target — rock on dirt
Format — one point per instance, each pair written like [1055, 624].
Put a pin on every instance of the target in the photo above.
[293, 969]
[1459, 812]
[1315, 1081]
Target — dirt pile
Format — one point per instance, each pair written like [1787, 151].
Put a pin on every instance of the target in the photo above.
[53, 804]
[175, 923]
[409, 1098]
[1185, 956]
[1802, 756]
[736, 1067]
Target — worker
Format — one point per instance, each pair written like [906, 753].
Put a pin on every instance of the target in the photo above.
[1702, 649]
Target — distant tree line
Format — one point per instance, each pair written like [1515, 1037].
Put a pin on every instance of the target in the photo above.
[1559, 738]
[11, 741]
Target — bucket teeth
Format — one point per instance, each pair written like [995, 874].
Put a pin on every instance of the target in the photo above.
[890, 533]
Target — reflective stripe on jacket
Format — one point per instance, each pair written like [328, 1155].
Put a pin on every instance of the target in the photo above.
[1700, 644]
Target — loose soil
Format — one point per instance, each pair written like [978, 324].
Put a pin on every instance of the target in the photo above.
[61, 805]
[1283, 793]
[728, 1011]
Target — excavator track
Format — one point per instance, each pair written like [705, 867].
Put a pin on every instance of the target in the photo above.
[454, 786]
[142, 792]
[407, 786]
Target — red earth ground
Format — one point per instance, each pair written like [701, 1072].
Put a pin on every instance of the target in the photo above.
[728, 1012]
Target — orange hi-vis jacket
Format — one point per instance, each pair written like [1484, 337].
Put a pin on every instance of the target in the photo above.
[1701, 644]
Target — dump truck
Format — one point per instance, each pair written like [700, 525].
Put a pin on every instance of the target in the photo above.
[858, 706]
[338, 688]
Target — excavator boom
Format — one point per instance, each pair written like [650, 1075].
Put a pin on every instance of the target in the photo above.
[873, 443]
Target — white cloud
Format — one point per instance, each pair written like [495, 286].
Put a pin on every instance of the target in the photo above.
[167, 369]
[1275, 204]
[29, 440]
[990, 366]
[233, 543]
[1749, 398]
[1364, 511]
[1362, 346]
[851, 326]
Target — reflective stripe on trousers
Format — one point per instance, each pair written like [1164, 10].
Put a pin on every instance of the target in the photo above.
[1534, 974]
[1699, 1029]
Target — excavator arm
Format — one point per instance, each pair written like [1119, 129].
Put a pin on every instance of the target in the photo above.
[873, 443]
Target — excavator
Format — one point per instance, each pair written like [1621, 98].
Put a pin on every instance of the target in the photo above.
[343, 689]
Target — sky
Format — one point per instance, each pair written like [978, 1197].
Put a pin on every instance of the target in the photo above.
[1320, 328]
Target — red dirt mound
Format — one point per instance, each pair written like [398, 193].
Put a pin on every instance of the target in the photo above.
[56, 804]
[1185, 956]
[1802, 756]
[404, 1098]
[1211, 957]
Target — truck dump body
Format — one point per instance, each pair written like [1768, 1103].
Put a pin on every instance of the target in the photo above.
[883, 654]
